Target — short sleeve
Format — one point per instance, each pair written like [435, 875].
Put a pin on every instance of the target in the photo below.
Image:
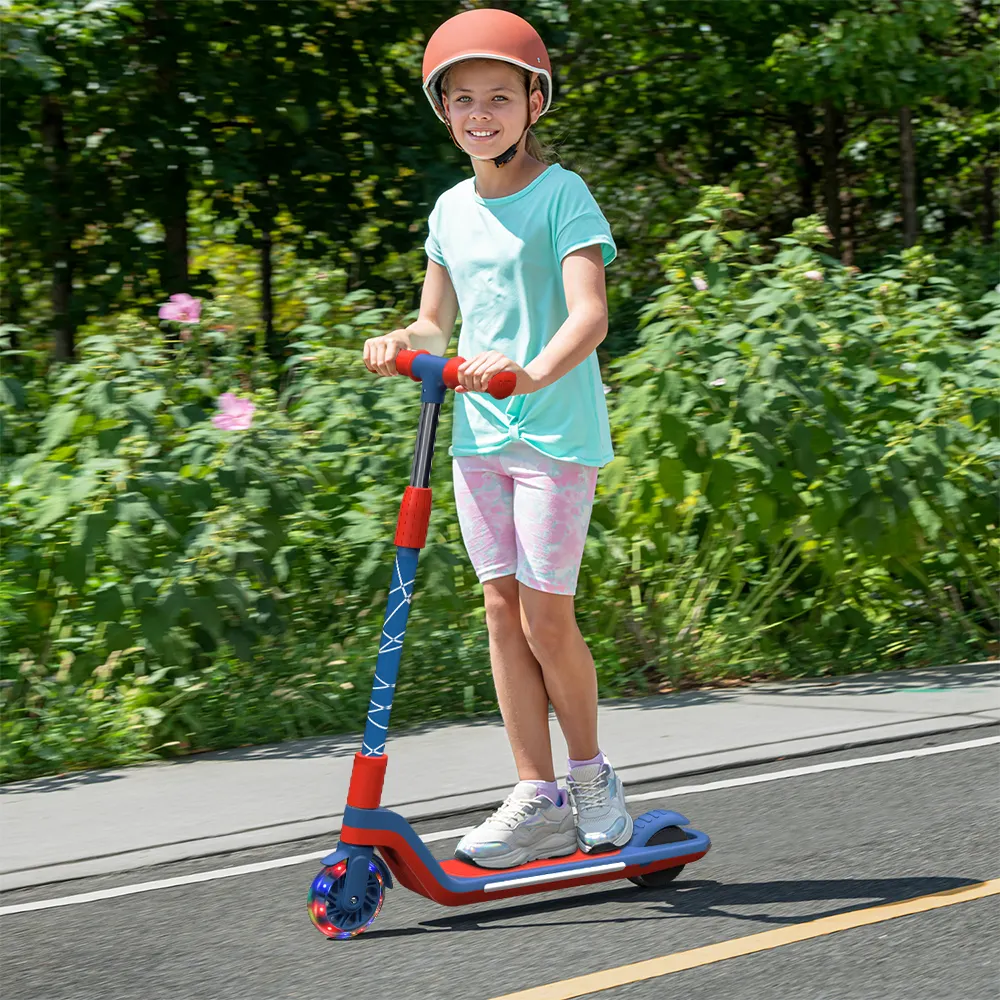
[579, 222]
[432, 245]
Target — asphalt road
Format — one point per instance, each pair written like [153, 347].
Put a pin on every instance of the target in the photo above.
[783, 852]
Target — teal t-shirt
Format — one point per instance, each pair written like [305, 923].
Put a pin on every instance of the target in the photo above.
[504, 256]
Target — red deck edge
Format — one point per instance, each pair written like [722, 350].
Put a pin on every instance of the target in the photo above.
[410, 872]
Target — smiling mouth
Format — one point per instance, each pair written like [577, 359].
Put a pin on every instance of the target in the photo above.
[482, 133]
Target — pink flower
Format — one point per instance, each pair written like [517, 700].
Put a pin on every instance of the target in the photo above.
[814, 275]
[237, 414]
[700, 283]
[181, 307]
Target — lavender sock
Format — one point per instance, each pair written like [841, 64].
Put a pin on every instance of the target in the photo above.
[599, 759]
[550, 789]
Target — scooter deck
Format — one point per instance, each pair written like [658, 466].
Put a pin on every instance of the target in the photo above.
[455, 883]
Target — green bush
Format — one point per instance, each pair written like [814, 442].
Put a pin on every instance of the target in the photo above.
[806, 482]
[807, 461]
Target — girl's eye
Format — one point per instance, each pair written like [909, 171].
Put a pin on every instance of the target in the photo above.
[499, 97]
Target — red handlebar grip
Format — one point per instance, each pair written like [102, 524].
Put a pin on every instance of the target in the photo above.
[404, 362]
[500, 386]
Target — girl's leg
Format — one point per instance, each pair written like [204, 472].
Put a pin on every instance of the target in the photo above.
[536, 820]
[548, 623]
[552, 503]
[524, 703]
[484, 499]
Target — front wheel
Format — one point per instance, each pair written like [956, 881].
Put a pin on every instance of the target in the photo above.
[326, 903]
[664, 876]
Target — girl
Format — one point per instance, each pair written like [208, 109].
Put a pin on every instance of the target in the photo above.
[520, 248]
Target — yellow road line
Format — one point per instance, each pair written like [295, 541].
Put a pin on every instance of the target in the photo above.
[595, 982]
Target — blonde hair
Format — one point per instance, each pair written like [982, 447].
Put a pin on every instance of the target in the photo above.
[533, 146]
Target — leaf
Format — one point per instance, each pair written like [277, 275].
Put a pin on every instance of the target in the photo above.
[154, 626]
[52, 509]
[143, 591]
[722, 478]
[108, 604]
[204, 611]
[175, 601]
[986, 410]
[241, 642]
[766, 509]
[673, 429]
[671, 477]
[12, 392]
[230, 592]
[73, 567]
[149, 401]
[717, 435]
[59, 425]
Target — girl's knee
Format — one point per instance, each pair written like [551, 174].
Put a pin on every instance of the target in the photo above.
[547, 621]
[502, 606]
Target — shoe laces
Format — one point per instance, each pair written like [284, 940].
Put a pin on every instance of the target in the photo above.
[512, 812]
[591, 794]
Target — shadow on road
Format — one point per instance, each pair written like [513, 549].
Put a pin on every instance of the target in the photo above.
[698, 898]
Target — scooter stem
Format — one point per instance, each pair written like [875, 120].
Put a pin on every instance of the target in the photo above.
[436, 374]
[411, 535]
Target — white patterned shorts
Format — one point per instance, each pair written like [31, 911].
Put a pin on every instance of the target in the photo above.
[524, 514]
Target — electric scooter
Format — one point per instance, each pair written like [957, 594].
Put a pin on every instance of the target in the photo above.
[347, 894]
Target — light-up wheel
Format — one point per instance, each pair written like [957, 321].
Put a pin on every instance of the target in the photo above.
[326, 902]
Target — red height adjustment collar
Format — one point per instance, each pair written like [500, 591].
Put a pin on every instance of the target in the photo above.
[414, 517]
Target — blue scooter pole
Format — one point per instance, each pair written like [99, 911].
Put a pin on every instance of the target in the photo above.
[435, 375]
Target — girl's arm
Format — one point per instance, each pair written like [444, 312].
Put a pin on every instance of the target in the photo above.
[585, 328]
[430, 331]
[587, 323]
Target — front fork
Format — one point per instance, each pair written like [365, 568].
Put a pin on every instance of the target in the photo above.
[365, 791]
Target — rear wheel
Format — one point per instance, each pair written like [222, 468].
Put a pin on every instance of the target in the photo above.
[664, 876]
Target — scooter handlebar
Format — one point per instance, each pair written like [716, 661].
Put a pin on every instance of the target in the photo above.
[419, 364]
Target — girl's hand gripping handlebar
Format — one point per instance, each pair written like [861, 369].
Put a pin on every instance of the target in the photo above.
[500, 387]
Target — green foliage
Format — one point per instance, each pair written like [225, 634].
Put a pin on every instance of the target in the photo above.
[806, 481]
[233, 578]
[807, 469]
[801, 446]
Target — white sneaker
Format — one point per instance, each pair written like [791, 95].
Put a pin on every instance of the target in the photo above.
[528, 826]
[602, 821]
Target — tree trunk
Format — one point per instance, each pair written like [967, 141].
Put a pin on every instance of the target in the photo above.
[908, 176]
[61, 244]
[833, 135]
[848, 231]
[271, 341]
[173, 201]
[174, 218]
[807, 170]
[989, 202]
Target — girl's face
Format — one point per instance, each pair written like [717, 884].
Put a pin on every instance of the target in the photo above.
[487, 106]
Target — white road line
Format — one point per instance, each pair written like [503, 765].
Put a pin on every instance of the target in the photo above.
[795, 772]
[297, 859]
